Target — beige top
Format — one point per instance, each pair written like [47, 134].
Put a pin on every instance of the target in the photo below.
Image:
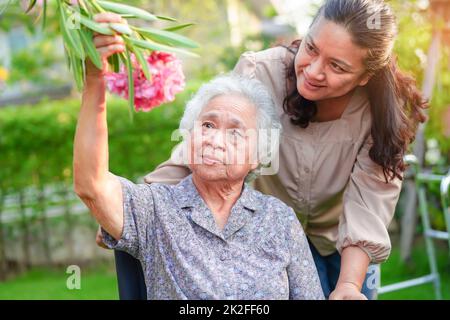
[325, 173]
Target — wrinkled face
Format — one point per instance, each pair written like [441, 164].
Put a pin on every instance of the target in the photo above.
[223, 141]
[328, 64]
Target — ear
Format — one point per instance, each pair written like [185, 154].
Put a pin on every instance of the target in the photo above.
[364, 80]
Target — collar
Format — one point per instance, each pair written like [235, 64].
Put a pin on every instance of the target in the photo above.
[187, 196]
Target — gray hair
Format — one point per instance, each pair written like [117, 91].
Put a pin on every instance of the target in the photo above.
[268, 122]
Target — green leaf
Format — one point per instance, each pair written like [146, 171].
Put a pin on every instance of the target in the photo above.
[70, 36]
[86, 38]
[67, 58]
[167, 37]
[96, 6]
[130, 16]
[126, 9]
[127, 61]
[44, 14]
[77, 71]
[85, 8]
[144, 64]
[148, 44]
[166, 18]
[113, 61]
[179, 27]
[83, 70]
[31, 5]
[75, 35]
[97, 27]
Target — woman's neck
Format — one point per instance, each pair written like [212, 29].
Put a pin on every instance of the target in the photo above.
[333, 108]
[219, 196]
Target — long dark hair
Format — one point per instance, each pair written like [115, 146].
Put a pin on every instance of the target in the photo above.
[396, 105]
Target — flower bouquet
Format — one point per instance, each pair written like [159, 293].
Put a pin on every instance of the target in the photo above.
[147, 73]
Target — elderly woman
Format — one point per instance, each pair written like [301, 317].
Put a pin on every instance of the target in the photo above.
[211, 236]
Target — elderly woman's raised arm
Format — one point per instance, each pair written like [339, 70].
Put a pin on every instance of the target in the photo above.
[123, 209]
[99, 189]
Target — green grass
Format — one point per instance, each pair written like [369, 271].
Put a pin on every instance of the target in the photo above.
[99, 282]
[395, 270]
[50, 284]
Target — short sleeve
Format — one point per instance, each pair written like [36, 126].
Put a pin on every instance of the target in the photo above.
[138, 214]
[304, 282]
[246, 65]
[369, 204]
[269, 67]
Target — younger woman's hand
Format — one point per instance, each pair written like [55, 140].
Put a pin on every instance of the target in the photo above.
[347, 291]
[106, 45]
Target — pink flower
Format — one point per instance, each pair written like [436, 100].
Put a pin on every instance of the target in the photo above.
[167, 80]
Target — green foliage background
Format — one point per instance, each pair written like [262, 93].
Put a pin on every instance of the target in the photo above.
[36, 142]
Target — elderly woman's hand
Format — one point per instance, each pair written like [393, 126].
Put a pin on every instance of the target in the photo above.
[99, 239]
[106, 45]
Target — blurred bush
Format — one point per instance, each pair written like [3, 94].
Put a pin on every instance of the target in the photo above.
[411, 47]
[36, 64]
[36, 142]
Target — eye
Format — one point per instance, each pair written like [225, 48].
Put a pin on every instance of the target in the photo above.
[236, 132]
[207, 125]
[337, 67]
[309, 47]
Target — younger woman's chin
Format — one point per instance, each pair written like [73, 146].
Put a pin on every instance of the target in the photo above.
[307, 95]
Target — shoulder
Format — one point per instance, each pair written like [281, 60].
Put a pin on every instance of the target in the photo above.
[180, 194]
[358, 116]
[276, 53]
[131, 189]
[270, 67]
[253, 62]
[161, 192]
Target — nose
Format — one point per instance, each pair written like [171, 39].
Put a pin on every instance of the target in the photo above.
[216, 139]
[315, 70]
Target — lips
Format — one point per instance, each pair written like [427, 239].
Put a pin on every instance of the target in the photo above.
[312, 84]
[207, 159]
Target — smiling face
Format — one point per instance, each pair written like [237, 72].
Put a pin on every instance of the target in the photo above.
[223, 141]
[328, 64]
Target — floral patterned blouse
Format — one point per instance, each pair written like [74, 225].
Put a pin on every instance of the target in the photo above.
[262, 252]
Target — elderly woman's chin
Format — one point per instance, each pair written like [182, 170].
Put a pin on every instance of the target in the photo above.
[219, 172]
